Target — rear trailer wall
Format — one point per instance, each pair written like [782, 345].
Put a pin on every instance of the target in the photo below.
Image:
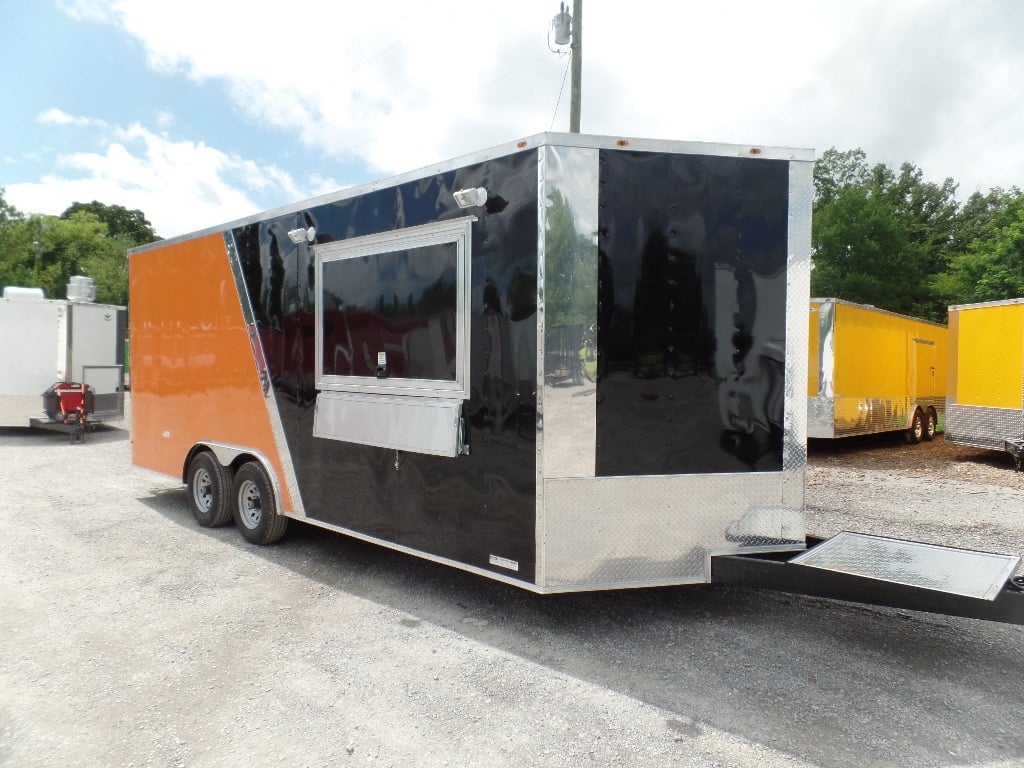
[46, 341]
[690, 444]
[986, 359]
[33, 346]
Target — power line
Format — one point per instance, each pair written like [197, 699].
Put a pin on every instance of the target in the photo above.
[560, 92]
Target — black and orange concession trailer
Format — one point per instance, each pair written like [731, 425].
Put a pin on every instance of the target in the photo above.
[566, 363]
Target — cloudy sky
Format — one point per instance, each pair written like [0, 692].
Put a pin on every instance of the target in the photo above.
[199, 112]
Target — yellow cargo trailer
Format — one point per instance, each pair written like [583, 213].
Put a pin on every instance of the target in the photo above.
[986, 376]
[874, 371]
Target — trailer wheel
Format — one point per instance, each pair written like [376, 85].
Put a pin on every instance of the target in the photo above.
[209, 489]
[916, 432]
[255, 508]
[930, 425]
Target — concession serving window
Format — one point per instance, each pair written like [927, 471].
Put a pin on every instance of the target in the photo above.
[392, 337]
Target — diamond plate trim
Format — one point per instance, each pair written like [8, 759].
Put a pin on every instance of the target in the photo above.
[638, 531]
[983, 427]
[849, 416]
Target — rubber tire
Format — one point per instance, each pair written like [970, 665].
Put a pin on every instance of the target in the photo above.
[914, 434]
[209, 490]
[930, 424]
[254, 505]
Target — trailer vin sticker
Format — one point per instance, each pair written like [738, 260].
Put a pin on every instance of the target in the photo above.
[504, 562]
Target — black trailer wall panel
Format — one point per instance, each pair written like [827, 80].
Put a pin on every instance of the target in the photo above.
[462, 509]
[691, 311]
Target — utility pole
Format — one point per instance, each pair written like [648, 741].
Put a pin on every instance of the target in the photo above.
[570, 28]
[577, 65]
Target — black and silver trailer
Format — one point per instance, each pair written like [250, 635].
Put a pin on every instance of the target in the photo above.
[566, 363]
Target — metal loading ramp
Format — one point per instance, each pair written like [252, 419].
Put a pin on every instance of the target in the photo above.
[875, 570]
[963, 572]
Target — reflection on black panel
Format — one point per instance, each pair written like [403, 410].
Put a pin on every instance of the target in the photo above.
[464, 509]
[402, 304]
[691, 314]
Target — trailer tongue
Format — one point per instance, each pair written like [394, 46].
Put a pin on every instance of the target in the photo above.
[69, 407]
[873, 570]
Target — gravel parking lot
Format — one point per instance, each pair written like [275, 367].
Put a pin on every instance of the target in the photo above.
[132, 637]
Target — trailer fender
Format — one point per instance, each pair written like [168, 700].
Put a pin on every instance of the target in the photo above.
[231, 457]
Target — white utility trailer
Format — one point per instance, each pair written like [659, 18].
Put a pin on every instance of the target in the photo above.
[63, 359]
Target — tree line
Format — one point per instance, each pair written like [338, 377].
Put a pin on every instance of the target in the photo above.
[92, 239]
[896, 241]
[880, 236]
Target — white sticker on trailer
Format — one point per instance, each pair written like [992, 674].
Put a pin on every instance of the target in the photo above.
[504, 562]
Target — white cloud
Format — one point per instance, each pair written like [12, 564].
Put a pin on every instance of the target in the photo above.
[89, 10]
[395, 88]
[181, 186]
[415, 83]
[56, 116]
[390, 86]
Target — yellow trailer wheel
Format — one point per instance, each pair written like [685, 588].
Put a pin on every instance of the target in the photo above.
[930, 425]
[915, 434]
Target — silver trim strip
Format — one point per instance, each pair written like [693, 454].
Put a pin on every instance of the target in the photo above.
[269, 401]
[983, 304]
[426, 555]
[571, 185]
[798, 289]
[831, 417]
[539, 542]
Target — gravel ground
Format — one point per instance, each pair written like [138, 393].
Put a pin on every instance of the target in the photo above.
[132, 637]
[934, 492]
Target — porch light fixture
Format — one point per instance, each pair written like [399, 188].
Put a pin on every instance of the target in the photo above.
[302, 235]
[467, 198]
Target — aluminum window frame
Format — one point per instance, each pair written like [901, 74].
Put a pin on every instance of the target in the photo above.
[457, 232]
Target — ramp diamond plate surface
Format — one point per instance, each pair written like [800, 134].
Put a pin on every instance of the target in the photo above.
[943, 569]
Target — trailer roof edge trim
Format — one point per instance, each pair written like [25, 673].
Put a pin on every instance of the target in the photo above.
[586, 141]
[873, 308]
[983, 304]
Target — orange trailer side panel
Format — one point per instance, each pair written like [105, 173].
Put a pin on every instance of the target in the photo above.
[194, 375]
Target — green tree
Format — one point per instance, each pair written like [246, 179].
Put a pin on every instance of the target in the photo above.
[45, 251]
[881, 237]
[992, 267]
[835, 171]
[121, 222]
[8, 213]
[979, 216]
